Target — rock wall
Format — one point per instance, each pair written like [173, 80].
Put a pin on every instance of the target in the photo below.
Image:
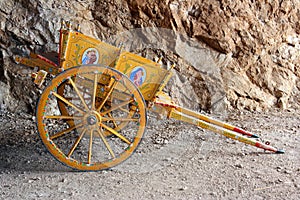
[241, 54]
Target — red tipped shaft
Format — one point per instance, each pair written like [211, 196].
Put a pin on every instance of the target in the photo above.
[243, 132]
[268, 147]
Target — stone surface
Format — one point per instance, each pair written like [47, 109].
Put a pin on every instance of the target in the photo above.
[238, 54]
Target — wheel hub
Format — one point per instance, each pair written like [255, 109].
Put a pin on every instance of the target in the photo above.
[91, 120]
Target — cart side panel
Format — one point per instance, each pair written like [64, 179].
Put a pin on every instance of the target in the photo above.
[146, 74]
[82, 50]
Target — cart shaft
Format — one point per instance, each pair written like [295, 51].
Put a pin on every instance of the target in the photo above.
[215, 122]
[219, 127]
[165, 106]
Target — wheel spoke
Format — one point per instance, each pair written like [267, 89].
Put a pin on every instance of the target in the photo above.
[90, 146]
[116, 133]
[76, 143]
[124, 110]
[94, 91]
[67, 102]
[120, 119]
[76, 99]
[118, 106]
[62, 117]
[113, 121]
[106, 143]
[56, 135]
[108, 94]
[78, 93]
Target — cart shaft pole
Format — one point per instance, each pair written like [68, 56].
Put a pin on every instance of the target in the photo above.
[215, 122]
[218, 127]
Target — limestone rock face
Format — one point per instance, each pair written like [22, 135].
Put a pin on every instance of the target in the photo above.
[236, 54]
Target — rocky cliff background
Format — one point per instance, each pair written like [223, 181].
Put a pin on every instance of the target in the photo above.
[253, 47]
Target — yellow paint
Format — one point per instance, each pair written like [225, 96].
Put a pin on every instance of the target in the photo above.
[212, 127]
[205, 118]
[146, 74]
[36, 62]
[40, 77]
[77, 48]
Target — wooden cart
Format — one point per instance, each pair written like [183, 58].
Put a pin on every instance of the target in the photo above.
[93, 113]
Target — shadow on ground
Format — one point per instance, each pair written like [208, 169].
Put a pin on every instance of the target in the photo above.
[24, 151]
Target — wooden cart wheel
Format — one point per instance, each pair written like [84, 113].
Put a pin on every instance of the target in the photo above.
[107, 120]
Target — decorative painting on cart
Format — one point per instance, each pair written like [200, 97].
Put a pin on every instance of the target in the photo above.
[90, 56]
[138, 76]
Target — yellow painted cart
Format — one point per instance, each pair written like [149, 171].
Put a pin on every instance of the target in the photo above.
[93, 113]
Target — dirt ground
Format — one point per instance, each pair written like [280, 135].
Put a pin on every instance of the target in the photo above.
[174, 161]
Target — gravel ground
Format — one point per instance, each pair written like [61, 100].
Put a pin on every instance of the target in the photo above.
[174, 161]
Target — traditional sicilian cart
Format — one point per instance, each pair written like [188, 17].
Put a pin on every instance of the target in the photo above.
[93, 113]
